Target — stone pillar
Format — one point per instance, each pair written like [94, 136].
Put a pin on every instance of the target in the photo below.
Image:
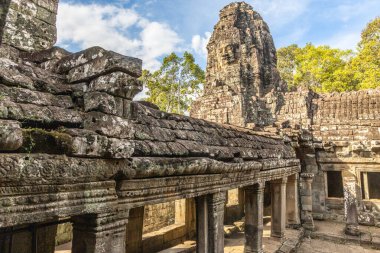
[254, 208]
[216, 203]
[210, 217]
[45, 238]
[278, 198]
[135, 230]
[292, 208]
[350, 203]
[202, 224]
[100, 233]
[306, 201]
[241, 202]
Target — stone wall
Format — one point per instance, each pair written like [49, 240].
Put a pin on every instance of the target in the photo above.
[336, 132]
[28, 24]
[158, 216]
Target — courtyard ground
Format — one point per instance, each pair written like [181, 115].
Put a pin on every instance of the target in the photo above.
[328, 238]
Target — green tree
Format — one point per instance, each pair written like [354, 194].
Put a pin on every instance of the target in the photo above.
[366, 65]
[286, 63]
[320, 68]
[325, 69]
[174, 86]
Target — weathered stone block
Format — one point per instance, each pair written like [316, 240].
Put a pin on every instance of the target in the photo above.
[21, 95]
[77, 59]
[29, 25]
[93, 145]
[108, 63]
[103, 102]
[36, 140]
[54, 53]
[10, 74]
[117, 84]
[10, 135]
[108, 125]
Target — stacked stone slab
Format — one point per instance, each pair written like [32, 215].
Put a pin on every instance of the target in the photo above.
[242, 77]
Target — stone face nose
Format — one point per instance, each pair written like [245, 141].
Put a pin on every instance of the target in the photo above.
[29, 25]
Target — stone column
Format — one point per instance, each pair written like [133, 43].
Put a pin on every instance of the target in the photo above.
[306, 201]
[350, 203]
[254, 208]
[278, 197]
[202, 224]
[292, 208]
[100, 233]
[210, 217]
[135, 230]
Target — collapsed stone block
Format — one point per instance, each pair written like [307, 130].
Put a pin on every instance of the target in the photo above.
[111, 62]
[94, 62]
[77, 59]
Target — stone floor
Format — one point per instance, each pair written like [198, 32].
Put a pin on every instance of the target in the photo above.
[320, 246]
[235, 244]
[328, 238]
[334, 231]
[64, 248]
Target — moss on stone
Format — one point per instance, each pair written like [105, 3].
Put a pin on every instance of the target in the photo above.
[37, 140]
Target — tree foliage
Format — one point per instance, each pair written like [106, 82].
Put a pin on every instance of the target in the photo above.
[366, 65]
[174, 86]
[326, 69]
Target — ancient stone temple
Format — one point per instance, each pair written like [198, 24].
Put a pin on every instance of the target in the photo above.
[335, 136]
[241, 70]
[81, 162]
[76, 150]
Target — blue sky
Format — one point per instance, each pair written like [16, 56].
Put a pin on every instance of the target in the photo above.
[151, 29]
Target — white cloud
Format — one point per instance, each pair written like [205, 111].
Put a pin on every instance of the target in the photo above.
[199, 43]
[115, 28]
[157, 39]
[344, 40]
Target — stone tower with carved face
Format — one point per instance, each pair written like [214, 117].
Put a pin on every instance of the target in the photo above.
[242, 77]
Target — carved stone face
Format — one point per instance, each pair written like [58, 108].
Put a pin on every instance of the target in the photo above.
[228, 54]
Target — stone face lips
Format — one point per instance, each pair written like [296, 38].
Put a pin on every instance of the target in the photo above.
[241, 69]
[29, 24]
